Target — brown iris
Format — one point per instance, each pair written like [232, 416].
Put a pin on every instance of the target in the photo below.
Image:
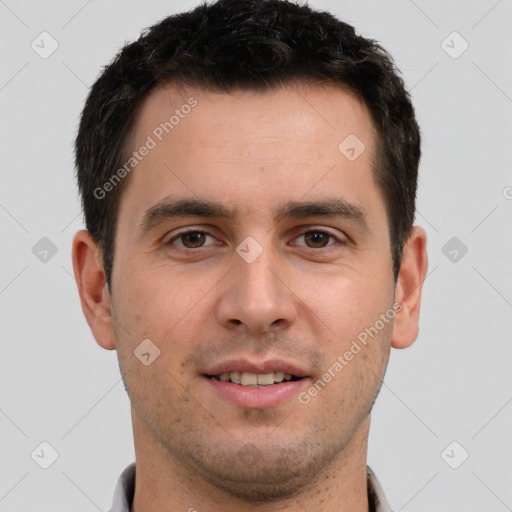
[193, 239]
[317, 239]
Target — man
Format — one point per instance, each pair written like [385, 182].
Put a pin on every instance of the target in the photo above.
[248, 175]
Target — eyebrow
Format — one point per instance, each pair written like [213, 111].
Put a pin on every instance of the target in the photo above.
[168, 209]
[191, 207]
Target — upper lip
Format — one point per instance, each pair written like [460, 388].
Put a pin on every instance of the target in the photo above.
[244, 365]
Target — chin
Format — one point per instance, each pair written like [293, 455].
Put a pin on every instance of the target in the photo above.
[259, 474]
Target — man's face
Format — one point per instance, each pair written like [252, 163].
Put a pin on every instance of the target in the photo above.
[274, 286]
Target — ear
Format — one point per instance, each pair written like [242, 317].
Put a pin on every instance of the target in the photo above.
[92, 288]
[408, 289]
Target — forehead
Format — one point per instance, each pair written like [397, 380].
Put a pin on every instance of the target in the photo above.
[305, 113]
[251, 150]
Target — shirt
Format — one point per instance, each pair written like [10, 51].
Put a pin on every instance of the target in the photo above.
[125, 489]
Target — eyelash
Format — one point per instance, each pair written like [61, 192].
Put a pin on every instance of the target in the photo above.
[184, 233]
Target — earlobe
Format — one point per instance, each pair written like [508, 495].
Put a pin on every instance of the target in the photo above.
[92, 289]
[408, 289]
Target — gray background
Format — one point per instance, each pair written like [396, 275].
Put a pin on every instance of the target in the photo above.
[453, 384]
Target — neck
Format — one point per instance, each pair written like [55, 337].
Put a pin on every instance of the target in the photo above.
[164, 484]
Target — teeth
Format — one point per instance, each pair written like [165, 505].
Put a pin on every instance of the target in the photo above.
[254, 379]
[266, 378]
[249, 379]
[235, 377]
[278, 376]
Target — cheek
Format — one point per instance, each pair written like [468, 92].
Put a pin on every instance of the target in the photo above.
[163, 305]
[346, 305]
[148, 308]
[154, 299]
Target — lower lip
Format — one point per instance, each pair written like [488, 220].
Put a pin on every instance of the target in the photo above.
[257, 398]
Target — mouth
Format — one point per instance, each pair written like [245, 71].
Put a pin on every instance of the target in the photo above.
[255, 380]
[253, 385]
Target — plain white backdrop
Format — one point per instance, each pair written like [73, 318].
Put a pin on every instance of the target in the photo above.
[453, 385]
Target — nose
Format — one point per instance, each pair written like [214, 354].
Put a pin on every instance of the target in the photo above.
[256, 297]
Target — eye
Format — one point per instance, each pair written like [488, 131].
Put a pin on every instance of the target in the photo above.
[191, 239]
[317, 239]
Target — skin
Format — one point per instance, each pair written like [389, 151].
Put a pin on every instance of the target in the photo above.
[302, 301]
